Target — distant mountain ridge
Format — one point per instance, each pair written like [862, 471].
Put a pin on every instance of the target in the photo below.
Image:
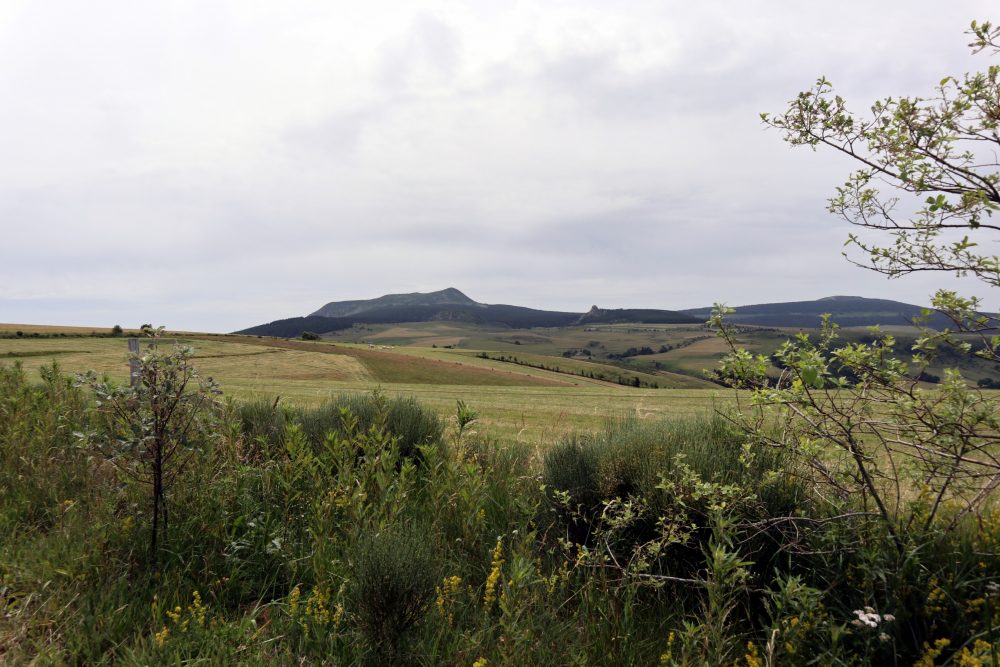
[847, 311]
[450, 305]
[453, 305]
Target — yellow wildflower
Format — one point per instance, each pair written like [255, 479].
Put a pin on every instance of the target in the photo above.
[316, 607]
[445, 593]
[197, 609]
[667, 654]
[927, 659]
[490, 594]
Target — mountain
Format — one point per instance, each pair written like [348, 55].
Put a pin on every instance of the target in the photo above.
[445, 297]
[449, 305]
[847, 311]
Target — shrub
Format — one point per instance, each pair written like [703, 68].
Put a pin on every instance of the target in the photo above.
[642, 491]
[404, 418]
[394, 576]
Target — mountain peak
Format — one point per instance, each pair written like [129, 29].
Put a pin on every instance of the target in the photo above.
[449, 296]
[453, 293]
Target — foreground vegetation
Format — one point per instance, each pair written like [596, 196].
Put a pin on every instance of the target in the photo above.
[369, 531]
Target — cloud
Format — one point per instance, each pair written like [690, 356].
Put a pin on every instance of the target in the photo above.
[214, 165]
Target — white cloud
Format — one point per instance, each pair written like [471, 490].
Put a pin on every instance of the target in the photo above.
[216, 164]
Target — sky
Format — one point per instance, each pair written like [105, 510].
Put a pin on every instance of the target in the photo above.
[214, 165]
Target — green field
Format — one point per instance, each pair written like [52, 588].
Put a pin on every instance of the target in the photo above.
[527, 404]
[541, 396]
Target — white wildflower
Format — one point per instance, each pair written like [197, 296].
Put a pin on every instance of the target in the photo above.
[869, 618]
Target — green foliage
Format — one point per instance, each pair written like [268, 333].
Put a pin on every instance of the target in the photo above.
[464, 417]
[150, 429]
[410, 423]
[891, 434]
[643, 496]
[37, 426]
[934, 151]
[341, 551]
[394, 574]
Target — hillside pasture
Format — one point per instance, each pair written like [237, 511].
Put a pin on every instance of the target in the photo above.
[527, 403]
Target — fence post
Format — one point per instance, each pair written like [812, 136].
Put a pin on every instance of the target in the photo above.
[133, 363]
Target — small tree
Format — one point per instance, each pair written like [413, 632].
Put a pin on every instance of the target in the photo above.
[116, 330]
[151, 428]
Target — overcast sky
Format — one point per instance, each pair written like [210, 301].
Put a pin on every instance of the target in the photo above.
[214, 165]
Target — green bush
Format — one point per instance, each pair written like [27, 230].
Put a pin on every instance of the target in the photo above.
[394, 574]
[405, 419]
[650, 492]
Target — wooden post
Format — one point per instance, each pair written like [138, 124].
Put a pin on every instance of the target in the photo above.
[133, 363]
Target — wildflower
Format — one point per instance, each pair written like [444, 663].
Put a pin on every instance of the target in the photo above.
[316, 607]
[481, 662]
[445, 592]
[162, 636]
[197, 609]
[927, 659]
[666, 656]
[293, 600]
[490, 594]
[752, 657]
[979, 656]
[868, 617]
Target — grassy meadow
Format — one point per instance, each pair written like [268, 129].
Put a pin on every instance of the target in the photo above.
[527, 403]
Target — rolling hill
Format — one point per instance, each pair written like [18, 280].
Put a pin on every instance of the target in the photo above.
[847, 311]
